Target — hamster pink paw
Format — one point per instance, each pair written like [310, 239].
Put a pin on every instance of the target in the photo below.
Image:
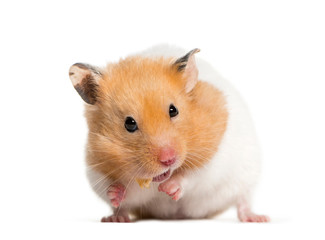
[172, 188]
[252, 217]
[119, 218]
[116, 193]
[246, 215]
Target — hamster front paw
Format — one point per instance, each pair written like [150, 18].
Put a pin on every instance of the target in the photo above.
[116, 193]
[172, 187]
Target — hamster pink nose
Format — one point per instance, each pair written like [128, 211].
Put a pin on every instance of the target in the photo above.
[167, 156]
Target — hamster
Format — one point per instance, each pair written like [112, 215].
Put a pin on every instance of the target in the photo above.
[167, 118]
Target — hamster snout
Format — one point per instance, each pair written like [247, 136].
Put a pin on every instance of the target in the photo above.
[167, 156]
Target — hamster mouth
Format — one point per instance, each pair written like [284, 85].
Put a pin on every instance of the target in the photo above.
[161, 177]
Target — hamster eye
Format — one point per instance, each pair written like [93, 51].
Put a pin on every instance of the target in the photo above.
[130, 124]
[172, 111]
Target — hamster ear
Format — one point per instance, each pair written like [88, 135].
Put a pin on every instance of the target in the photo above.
[85, 79]
[187, 66]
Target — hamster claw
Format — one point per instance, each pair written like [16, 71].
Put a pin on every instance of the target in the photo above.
[118, 219]
[252, 217]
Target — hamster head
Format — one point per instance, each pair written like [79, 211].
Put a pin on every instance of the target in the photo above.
[139, 115]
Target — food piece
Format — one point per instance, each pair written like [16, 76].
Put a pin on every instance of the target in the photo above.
[144, 182]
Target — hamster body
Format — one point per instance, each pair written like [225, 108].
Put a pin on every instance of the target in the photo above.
[202, 160]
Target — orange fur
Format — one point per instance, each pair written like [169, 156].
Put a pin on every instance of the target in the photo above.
[144, 88]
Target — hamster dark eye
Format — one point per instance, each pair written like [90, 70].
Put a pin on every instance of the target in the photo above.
[130, 124]
[173, 112]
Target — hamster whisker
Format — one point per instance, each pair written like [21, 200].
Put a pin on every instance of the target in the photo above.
[187, 164]
[98, 181]
[196, 158]
[197, 155]
[192, 162]
[131, 180]
[90, 167]
[92, 150]
[204, 149]
[102, 180]
[116, 180]
[98, 135]
[106, 176]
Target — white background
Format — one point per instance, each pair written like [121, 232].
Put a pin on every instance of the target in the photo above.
[272, 51]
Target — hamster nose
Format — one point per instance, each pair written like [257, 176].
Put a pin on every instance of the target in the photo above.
[167, 156]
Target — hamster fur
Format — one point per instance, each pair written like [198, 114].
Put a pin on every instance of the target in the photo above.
[220, 170]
